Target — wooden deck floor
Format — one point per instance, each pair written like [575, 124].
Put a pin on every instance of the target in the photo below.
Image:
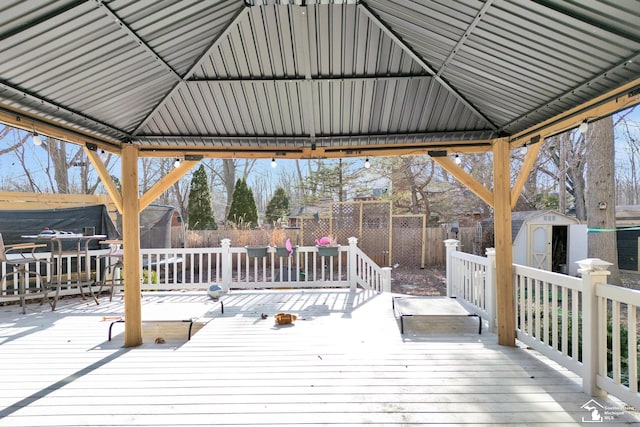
[343, 362]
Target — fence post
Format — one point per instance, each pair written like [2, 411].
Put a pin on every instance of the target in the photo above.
[386, 279]
[452, 246]
[353, 268]
[490, 288]
[226, 264]
[594, 272]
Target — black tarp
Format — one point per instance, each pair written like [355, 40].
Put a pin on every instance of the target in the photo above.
[160, 227]
[16, 223]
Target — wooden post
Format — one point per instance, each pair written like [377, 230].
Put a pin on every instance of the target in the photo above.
[131, 247]
[594, 272]
[503, 243]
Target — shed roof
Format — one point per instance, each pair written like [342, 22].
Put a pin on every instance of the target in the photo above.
[518, 219]
[286, 75]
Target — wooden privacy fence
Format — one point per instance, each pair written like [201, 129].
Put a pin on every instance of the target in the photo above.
[409, 243]
[14, 200]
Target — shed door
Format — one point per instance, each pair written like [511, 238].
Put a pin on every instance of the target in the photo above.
[540, 246]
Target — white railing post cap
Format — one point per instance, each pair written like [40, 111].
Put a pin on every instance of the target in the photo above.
[451, 242]
[353, 240]
[593, 264]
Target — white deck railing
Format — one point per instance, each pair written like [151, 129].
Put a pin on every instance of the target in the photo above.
[230, 267]
[583, 324]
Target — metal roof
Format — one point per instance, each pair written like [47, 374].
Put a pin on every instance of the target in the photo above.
[281, 75]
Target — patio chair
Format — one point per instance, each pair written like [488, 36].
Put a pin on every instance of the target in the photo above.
[112, 266]
[18, 257]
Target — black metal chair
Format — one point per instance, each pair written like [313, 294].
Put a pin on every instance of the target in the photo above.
[112, 266]
[18, 257]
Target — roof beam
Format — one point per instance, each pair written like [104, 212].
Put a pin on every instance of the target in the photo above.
[30, 123]
[364, 9]
[585, 19]
[42, 19]
[618, 99]
[167, 181]
[105, 177]
[385, 78]
[465, 179]
[311, 151]
[586, 86]
[58, 108]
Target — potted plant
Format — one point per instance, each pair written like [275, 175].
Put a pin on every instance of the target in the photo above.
[256, 251]
[287, 250]
[327, 246]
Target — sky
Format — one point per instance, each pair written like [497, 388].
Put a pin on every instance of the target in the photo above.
[11, 169]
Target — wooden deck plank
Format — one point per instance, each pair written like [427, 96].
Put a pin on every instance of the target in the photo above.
[343, 362]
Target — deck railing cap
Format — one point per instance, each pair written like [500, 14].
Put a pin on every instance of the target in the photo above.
[593, 264]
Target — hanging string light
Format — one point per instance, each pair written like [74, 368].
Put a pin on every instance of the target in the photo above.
[37, 141]
[584, 126]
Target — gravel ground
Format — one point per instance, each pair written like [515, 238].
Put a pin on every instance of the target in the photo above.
[429, 281]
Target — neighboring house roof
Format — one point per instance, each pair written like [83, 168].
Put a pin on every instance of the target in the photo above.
[627, 216]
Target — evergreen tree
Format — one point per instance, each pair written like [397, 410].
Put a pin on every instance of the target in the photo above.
[200, 214]
[243, 209]
[278, 206]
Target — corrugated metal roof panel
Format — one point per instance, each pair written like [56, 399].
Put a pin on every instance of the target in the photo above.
[331, 71]
[178, 31]
[518, 56]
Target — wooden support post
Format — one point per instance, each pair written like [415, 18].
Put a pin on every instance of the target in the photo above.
[131, 247]
[503, 243]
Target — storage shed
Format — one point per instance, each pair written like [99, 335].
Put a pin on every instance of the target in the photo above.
[548, 240]
[628, 235]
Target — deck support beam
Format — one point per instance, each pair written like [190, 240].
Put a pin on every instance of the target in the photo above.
[503, 242]
[131, 247]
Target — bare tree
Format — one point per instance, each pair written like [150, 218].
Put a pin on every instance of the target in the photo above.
[601, 220]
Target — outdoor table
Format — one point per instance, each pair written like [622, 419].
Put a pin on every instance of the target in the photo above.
[56, 242]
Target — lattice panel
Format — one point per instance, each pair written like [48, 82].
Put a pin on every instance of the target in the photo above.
[370, 223]
[375, 231]
[313, 229]
[345, 221]
[407, 240]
